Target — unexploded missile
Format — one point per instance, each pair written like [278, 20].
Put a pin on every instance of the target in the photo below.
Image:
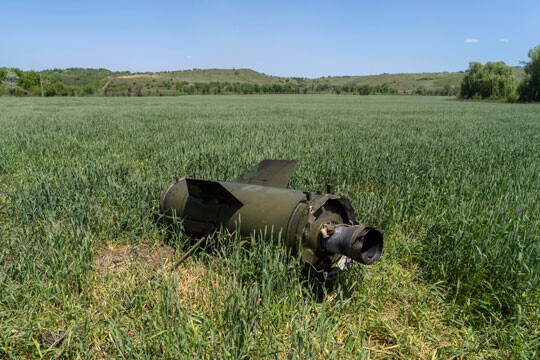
[320, 225]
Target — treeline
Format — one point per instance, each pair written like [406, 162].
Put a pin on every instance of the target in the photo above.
[90, 82]
[175, 88]
[167, 88]
[87, 82]
[446, 90]
[17, 82]
[495, 80]
[354, 89]
[56, 82]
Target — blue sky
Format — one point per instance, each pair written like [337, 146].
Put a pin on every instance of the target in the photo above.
[287, 38]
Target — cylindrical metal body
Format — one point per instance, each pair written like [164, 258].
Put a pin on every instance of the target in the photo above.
[265, 209]
[291, 216]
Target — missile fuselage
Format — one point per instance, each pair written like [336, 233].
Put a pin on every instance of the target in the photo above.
[322, 226]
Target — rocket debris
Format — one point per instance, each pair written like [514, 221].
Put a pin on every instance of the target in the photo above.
[320, 225]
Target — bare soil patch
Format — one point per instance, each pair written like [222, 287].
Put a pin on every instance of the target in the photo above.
[133, 76]
[107, 260]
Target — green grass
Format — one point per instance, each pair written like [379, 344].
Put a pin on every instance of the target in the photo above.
[455, 184]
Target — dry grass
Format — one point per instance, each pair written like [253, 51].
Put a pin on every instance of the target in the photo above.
[117, 259]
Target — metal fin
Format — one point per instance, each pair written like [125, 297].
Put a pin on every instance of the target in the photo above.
[211, 191]
[275, 173]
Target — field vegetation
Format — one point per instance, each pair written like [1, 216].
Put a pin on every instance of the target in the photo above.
[84, 268]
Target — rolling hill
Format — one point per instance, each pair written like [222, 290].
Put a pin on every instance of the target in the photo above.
[403, 83]
[82, 81]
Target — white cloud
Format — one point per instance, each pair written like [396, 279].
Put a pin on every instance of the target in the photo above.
[504, 40]
[472, 41]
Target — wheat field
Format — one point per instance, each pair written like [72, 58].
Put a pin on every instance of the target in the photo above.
[84, 267]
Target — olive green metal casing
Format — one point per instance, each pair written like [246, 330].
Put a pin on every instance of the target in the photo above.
[259, 205]
[275, 214]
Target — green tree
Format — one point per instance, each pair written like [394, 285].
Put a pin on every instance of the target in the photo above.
[529, 88]
[11, 81]
[29, 81]
[493, 80]
[3, 72]
[89, 89]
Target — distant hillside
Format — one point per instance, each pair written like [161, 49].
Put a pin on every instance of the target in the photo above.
[80, 81]
[203, 75]
[404, 83]
[163, 82]
[408, 82]
[81, 76]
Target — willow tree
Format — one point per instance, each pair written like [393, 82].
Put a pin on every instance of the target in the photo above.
[529, 88]
[494, 80]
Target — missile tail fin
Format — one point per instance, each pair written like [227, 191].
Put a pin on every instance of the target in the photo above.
[211, 191]
[274, 173]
